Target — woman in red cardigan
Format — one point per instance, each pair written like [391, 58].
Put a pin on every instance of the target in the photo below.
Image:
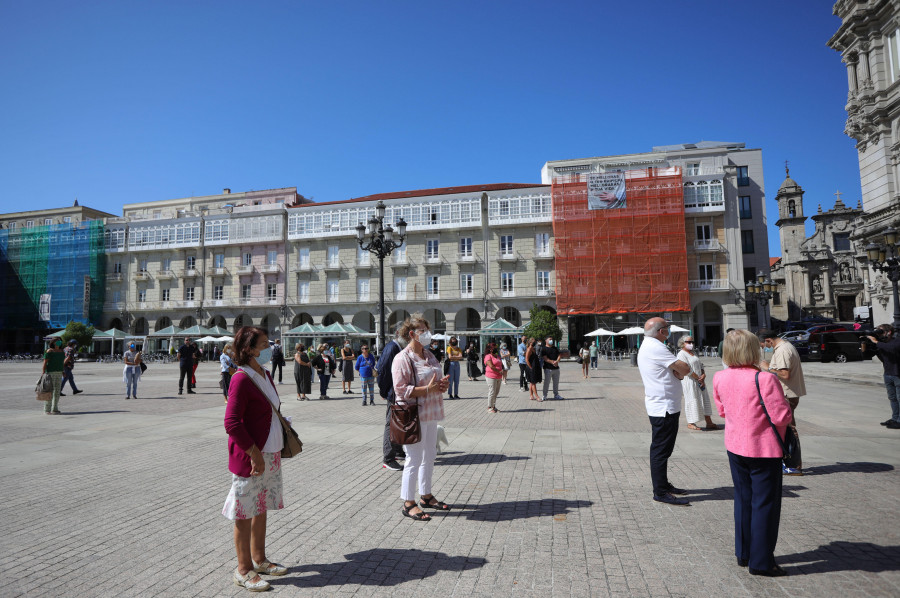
[254, 457]
[754, 452]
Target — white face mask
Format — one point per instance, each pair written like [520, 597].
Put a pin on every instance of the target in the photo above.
[425, 338]
[550, 343]
[689, 346]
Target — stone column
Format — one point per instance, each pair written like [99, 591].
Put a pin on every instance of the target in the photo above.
[564, 326]
[851, 76]
[863, 72]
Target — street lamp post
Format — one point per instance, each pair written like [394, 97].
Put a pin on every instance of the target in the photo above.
[379, 239]
[884, 257]
[761, 291]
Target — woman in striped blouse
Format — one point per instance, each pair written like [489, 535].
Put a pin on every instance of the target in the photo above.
[418, 381]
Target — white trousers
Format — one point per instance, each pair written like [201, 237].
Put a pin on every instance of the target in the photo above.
[419, 466]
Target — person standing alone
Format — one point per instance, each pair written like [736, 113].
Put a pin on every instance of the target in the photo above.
[186, 366]
[661, 373]
[277, 360]
[520, 354]
[551, 369]
[887, 348]
[68, 366]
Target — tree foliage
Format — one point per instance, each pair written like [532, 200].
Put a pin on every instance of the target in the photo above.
[81, 333]
[543, 324]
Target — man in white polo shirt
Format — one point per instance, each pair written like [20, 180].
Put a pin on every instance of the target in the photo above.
[662, 374]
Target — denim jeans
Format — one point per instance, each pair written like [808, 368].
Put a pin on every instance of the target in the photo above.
[368, 386]
[131, 380]
[453, 391]
[892, 384]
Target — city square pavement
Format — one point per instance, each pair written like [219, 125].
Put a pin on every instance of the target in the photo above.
[124, 498]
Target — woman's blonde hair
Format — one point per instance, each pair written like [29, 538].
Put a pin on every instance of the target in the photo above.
[741, 349]
[321, 347]
[226, 348]
[412, 323]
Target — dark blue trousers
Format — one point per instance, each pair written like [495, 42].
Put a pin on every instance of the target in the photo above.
[665, 430]
[757, 508]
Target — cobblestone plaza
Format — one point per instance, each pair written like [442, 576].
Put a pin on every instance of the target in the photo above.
[123, 498]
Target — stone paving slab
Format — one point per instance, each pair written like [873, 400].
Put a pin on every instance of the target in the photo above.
[123, 498]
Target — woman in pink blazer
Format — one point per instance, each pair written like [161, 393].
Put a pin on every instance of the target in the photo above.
[754, 452]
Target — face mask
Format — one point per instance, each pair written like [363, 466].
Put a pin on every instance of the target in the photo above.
[265, 356]
[550, 343]
[58, 344]
[425, 337]
[452, 343]
[689, 346]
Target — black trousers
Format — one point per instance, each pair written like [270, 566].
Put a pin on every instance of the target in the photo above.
[185, 370]
[522, 382]
[276, 366]
[757, 508]
[390, 450]
[665, 430]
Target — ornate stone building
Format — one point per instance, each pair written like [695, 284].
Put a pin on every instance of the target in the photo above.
[869, 42]
[819, 275]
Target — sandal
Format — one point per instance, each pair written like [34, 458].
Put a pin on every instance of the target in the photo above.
[426, 504]
[712, 427]
[254, 586]
[268, 568]
[420, 516]
[693, 427]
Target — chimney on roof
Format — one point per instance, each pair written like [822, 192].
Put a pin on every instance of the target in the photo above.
[226, 191]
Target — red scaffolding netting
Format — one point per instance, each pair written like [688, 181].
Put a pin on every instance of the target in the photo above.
[625, 259]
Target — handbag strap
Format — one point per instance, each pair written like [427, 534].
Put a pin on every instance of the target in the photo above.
[784, 448]
[249, 377]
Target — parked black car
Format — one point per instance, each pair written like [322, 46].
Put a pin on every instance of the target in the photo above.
[835, 346]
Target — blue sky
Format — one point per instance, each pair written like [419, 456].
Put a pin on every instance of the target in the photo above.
[116, 102]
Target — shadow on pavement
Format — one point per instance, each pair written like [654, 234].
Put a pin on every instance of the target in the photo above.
[516, 509]
[94, 412]
[860, 467]
[475, 459]
[843, 556]
[377, 567]
[727, 493]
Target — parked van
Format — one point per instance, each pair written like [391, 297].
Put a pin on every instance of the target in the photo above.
[835, 346]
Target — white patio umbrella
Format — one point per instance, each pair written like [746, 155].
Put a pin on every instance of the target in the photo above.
[208, 339]
[227, 339]
[439, 337]
[601, 332]
[632, 330]
[676, 328]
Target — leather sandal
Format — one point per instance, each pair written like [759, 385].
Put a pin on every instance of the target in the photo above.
[268, 568]
[426, 504]
[693, 427]
[254, 586]
[420, 516]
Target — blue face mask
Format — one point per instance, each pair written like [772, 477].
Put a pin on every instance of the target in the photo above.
[265, 356]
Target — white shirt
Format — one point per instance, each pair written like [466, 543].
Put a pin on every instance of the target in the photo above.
[662, 390]
[275, 441]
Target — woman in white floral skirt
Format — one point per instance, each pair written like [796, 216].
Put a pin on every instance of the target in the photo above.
[254, 457]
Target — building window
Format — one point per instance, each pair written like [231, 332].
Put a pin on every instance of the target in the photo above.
[272, 258]
[841, 241]
[399, 288]
[400, 254]
[465, 247]
[706, 272]
[48, 221]
[432, 289]
[749, 275]
[142, 295]
[776, 298]
[117, 296]
[165, 294]
[692, 169]
[743, 176]
[13, 225]
[303, 256]
[506, 245]
[143, 266]
[29, 223]
[542, 244]
[704, 233]
[333, 289]
[190, 262]
[157, 214]
[219, 260]
[272, 291]
[363, 256]
[117, 268]
[303, 291]
[543, 282]
[466, 286]
[245, 291]
[507, 288]
[431, 249]
[891, 50]
[67, 219]
[792, 209]
[247, 259]
[218, 292]
[167, 264]
[188, 293]
[362, 289]
[747, 241]
[333, 256]
[744, 206]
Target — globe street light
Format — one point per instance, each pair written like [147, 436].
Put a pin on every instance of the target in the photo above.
[379, 239]
[884, 257]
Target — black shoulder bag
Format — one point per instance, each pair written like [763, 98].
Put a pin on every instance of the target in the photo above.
[790, 446]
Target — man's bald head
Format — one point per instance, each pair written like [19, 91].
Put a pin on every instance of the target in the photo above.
[653, 328]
